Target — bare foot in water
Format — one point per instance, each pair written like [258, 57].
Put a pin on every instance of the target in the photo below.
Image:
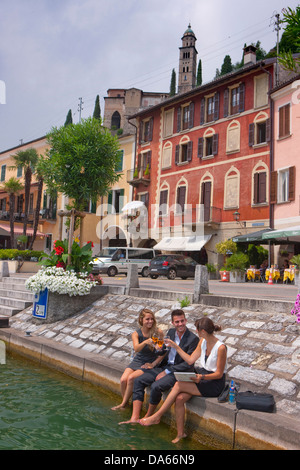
[118, 407]
[130, 422]
[178, 438]
[149, 421]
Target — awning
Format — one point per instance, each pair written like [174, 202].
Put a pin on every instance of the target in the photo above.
[182, 243]
[254, 237]
[291, 234]
[18, 230]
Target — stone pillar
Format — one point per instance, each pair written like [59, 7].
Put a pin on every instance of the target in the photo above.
[132, 280]
[4, 269]
[200, 282]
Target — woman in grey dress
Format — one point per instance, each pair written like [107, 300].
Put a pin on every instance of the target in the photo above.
[146, 357]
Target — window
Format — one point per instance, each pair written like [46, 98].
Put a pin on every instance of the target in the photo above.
[261, 85]
[146, 130]
[208, 145]
[283, 185]
[163, 201]
[144, 159]
[3, 172]
[259, 132]
[232, 189]
[184, 152]
[284, 121]
[116, 120]
[168, 123]
[181, 193]
[185, 117]
[167, 155]
[209, 108]
[260, 188]
[115, 201]
[234, 100]
[144, 197]
[233, 137]
[19, 171]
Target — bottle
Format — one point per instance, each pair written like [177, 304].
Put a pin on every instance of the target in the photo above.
[232, 393]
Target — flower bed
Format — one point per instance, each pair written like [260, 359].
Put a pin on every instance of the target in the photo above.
[59, 281]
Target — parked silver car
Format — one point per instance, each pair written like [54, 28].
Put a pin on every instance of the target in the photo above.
[114, 260]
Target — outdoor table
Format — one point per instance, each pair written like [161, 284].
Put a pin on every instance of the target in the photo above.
[275, 273]
[289, 273]
[252, 273]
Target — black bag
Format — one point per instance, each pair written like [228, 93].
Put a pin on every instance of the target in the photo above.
[255, 401]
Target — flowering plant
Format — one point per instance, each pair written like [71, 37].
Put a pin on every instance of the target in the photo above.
[296, 309]
[80, 257]
[60, 281]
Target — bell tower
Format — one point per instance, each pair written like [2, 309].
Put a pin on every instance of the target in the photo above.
[187, 61]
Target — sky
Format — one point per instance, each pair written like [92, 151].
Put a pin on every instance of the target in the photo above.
[54, 52]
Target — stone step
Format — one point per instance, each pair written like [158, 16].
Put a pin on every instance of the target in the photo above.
[16, 303]
[16, 294]
[8, 311]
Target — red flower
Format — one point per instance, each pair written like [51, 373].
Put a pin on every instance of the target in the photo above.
[60, 264]
[92, 244]
[59, 250]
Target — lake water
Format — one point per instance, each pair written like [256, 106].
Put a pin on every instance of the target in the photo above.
[41, 409]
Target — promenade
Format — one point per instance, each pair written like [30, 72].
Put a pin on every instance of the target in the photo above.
[263, 355]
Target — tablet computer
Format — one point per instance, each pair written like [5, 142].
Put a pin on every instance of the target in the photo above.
[184, 376]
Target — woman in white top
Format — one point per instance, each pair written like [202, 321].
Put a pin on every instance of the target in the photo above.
[209, 380]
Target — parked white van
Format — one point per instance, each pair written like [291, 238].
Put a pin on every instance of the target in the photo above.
[115, 260]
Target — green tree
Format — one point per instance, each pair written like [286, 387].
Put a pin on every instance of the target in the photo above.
[69, 119]
[40, 183]
[173, 83]
[199, 73]
[26, 159]
[290, 40]
[97, 112]
[226, 66]
[81, 161]
[13, 186]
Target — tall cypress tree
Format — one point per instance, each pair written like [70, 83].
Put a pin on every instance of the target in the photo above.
[173, 83]
[97, 112]
[69, 119]
[199, 73]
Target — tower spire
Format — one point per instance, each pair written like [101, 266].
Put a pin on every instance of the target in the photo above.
[187, 61]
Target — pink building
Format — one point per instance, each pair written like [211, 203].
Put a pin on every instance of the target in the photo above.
[285, 167]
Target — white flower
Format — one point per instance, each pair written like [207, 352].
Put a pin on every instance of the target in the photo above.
[60, 281]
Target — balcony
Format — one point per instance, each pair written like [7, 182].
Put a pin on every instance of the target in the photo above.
[138, 176]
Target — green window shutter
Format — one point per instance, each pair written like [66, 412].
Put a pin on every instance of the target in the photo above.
[3, 171]
[109, 202]
[19, 171]
[119, 166]
[121, 202]
[93, 207]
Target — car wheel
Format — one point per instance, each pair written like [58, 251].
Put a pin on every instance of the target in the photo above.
[112, 271]
[153, 276]
[145, 272]
[172, 274]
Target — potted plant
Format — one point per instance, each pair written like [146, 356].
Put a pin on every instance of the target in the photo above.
[237, 264]
[212, 270]
[146, 172]
[135, 174]
[226, 248]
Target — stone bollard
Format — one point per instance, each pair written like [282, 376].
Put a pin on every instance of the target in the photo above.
[200, 282]
[4, 269]
[132, 280]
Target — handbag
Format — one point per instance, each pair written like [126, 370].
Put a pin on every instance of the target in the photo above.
[255, 401]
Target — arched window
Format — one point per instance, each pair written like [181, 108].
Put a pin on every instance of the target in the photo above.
[116, 120]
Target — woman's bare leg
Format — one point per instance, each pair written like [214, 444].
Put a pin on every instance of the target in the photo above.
[136, 410]
[178, 388]
[180, 402]
[123, 384]
[129, 388]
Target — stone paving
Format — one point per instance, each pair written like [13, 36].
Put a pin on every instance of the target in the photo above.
[263, 348]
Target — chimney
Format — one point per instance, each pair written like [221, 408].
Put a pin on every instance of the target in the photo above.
[249, 55]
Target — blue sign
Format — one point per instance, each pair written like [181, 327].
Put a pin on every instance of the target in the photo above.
[40, 304]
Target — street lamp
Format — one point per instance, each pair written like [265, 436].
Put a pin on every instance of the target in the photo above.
[236, 216]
